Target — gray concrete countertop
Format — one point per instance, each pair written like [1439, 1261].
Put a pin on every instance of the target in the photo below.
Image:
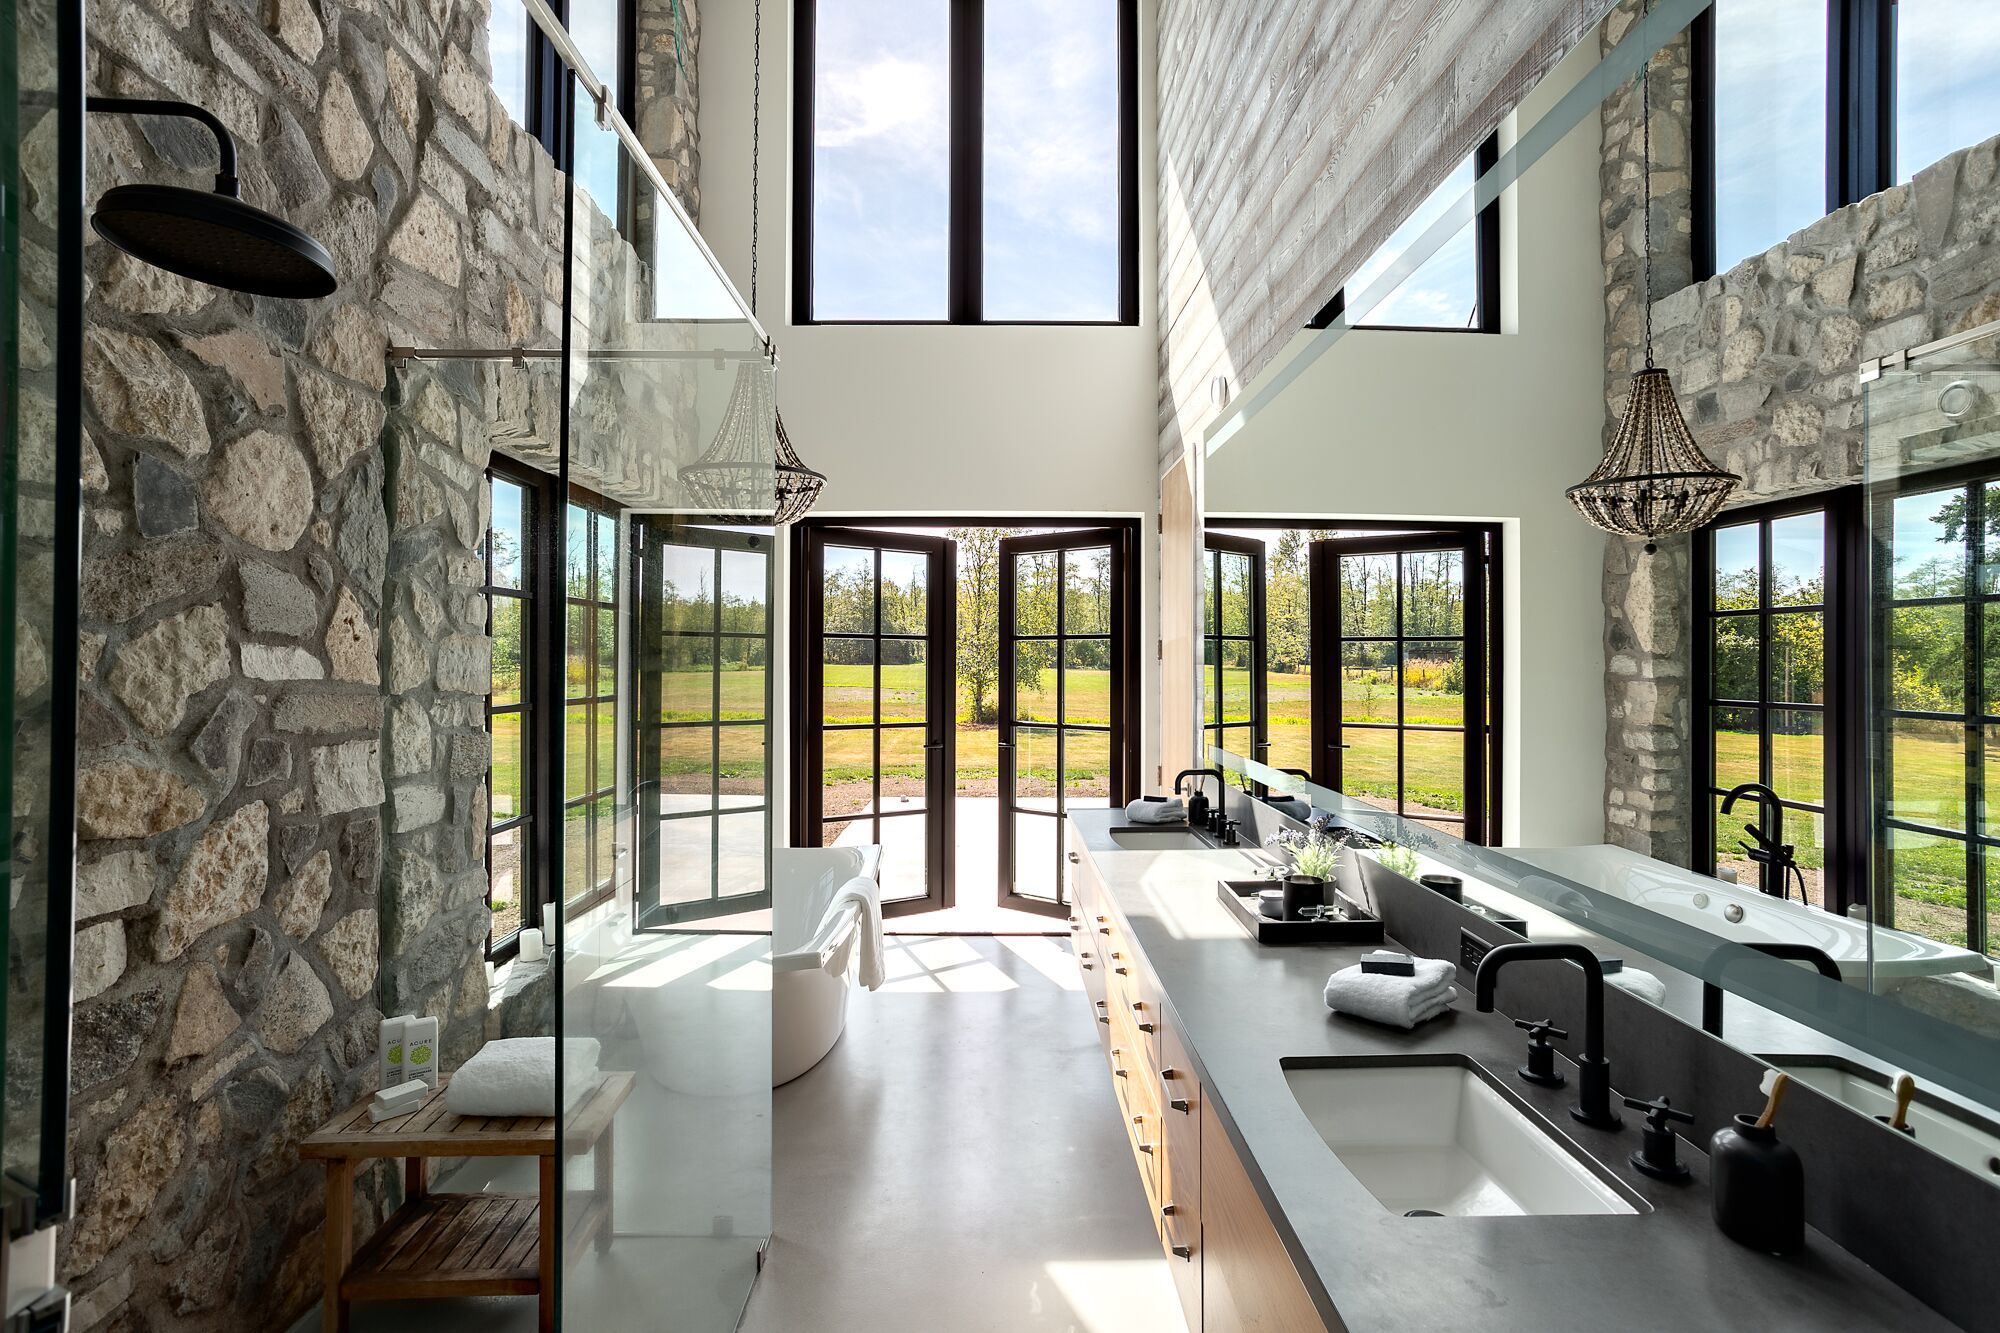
[1243, 1007]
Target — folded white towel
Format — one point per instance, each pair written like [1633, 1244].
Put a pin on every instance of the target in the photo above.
[1399, 1001]
[1640, 982]
[868, 935]
[517, 1076]
[1169, 811]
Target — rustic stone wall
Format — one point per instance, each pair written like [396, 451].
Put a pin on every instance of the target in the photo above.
[1765, 358]
[267, 717]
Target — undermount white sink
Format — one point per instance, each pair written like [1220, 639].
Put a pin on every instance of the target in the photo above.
[1430, 1138]
[1160, 840]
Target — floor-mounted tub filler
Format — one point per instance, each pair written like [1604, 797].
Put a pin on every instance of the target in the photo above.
[1740, 913]
[816, 945]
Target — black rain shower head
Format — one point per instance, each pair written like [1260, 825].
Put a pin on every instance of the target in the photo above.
[210, 236]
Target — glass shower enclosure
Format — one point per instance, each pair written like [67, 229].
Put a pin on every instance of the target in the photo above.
[622, 809]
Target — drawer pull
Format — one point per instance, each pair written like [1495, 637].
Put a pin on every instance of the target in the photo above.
[1183, 1251]
[1074, 858]
[1122, 971]
[1145, 1027]
[1104, 930]
[1104, 1016]
[1166, 1210]
[1178, 1104]
[1088, 966]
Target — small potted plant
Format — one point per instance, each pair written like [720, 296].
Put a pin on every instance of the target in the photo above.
[1315, 857]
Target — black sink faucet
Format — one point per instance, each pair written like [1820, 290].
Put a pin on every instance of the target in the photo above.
[1771, 851]
[1214, 813]
[1711, 986]
[1593, 1071]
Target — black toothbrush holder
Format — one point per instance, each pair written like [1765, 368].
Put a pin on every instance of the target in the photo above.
[1758, 1187]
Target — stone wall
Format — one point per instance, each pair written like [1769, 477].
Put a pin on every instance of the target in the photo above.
[266, 715]
[1764, 358]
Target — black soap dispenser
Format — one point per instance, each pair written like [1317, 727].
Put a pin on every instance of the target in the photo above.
[1759, 1186]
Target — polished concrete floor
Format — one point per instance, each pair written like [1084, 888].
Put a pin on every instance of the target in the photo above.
[956, 1163]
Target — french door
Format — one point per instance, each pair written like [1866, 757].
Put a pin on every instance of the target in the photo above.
[1401, 705]
[1063, 673]
[701, 720]
[880, 615]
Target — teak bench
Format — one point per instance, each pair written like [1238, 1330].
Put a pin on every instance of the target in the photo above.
[446, 1245]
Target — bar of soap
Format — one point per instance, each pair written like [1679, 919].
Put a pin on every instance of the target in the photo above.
[411, 1090]
[1387, 962]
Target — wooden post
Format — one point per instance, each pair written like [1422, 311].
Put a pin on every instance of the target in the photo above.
[551, 1186]
[416, 1178]
[339, 1233]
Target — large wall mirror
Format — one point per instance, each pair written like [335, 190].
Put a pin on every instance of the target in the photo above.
[1772, 736]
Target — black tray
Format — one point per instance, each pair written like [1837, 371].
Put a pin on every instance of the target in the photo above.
[1354, 927]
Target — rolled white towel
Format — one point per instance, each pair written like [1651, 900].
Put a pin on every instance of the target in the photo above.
[1156, 810]
[1639, 982]
[1400, 1002]
[517, 1076]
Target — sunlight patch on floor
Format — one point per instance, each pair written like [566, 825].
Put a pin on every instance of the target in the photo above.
[665, 971]
[1118, 1295]
[1049, 957]
[753, 975]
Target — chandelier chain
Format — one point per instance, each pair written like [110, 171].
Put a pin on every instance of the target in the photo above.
[1645, 193]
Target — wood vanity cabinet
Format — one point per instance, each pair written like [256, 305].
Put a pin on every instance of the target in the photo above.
[1228, 1261]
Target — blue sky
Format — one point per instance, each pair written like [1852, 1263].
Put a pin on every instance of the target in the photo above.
[1770, 106]
[1444, 293]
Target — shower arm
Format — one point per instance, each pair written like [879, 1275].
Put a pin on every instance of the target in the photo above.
[225, 174]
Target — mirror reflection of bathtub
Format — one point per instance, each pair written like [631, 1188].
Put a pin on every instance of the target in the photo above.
[1740, 913]
[812, 951]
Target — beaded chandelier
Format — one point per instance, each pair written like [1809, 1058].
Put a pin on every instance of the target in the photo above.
[1654, 480]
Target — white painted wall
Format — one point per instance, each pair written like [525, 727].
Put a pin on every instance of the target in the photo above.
[992, 422]
[1439, 425]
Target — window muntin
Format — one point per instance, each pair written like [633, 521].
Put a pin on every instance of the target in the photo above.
[1051, 227]
[1232, 649]
[600, 154]
[706, 713]
[1939, 730]
[940, 181]
[512, 887]
[1770, 114]
[590, 702]
[1764, 702]
[1947, 79]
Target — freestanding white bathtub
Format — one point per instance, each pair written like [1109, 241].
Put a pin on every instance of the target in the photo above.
[810, 961]
[1738, 912]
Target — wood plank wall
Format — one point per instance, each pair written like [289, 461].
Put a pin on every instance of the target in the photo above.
[1294, 137]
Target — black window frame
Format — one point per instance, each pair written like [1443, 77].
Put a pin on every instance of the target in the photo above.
[550, 100]
[1487, 302]
[1216, 726]
[596, 889]
[541, 696]
[1860, 114]
[966, 265]
[1843, 804]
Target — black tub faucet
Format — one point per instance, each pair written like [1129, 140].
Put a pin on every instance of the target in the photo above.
[1593, 1071]
[1772, 851]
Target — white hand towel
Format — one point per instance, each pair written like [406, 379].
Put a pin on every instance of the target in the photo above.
[517, 1076]
[1640, 982]
[1399, 1001]
[868, 933]
[1169, 811]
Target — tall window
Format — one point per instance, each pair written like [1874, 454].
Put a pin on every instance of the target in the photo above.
[704, 709]
[1456, 288]
[1233, 687]
[511, 553]
[1938, 738]
[1811, 105]
[966, 162]
[538, 94]
[590, 703]
[1764, 636]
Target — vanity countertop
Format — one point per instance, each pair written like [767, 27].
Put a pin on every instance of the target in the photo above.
[1243, 1007]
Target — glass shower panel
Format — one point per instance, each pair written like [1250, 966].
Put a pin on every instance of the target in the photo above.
[665, 933]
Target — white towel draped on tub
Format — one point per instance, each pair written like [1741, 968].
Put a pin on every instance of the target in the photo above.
[517, 1076]
[867, 935]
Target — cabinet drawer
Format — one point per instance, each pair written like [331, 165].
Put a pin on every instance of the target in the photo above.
[1180, 1167]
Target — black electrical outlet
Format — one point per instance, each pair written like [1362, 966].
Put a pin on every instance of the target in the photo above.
[1471, 950]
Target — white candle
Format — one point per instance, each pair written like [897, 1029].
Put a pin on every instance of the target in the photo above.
[532, 949]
